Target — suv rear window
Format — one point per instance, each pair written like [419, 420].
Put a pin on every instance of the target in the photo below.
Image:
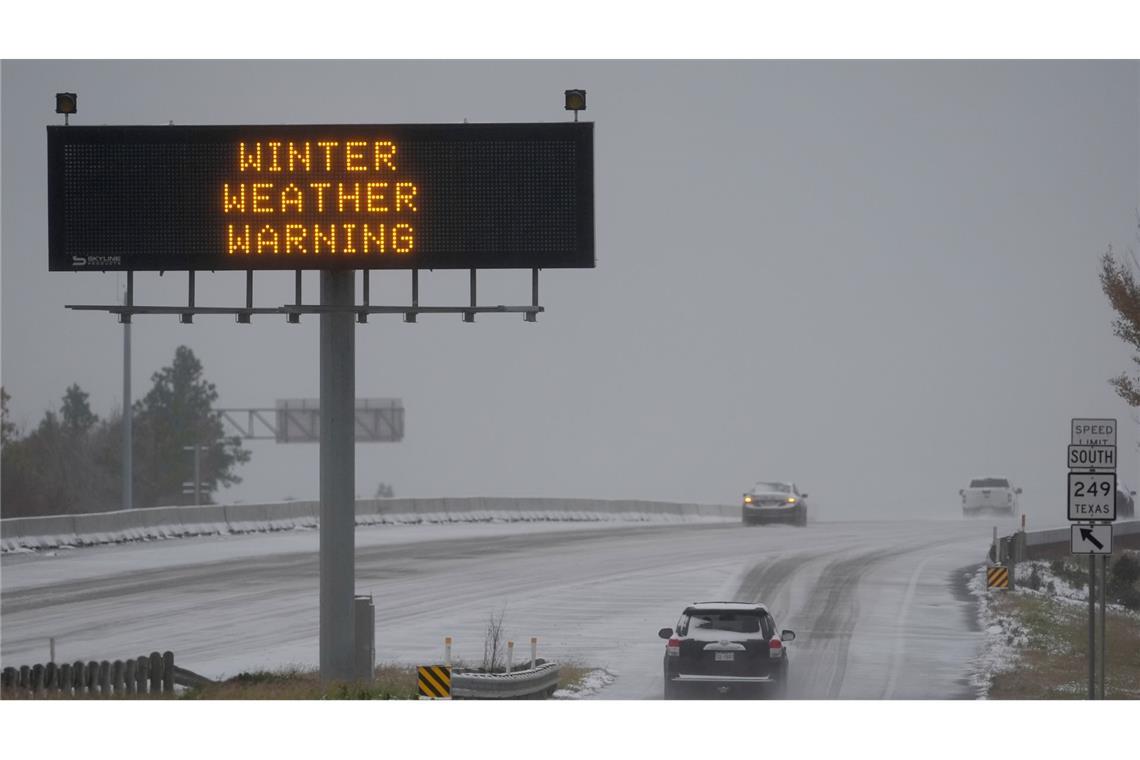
[701, 622]
[989, 483]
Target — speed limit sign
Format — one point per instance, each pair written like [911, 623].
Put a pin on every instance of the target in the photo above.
[1092, 496]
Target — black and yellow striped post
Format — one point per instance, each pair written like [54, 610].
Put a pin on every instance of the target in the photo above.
[434, 681]
[997, 577]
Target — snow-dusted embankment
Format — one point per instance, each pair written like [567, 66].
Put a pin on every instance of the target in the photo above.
[26, 533]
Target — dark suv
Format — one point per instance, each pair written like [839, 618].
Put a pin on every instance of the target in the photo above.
[726, 647]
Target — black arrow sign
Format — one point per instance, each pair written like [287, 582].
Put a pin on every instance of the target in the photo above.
[1087, 535]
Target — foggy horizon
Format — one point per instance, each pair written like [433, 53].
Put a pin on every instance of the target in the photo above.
[876, 279]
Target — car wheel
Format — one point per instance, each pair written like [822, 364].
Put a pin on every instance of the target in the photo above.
[802, 519]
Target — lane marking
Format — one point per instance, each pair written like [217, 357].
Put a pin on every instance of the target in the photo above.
[900, 621]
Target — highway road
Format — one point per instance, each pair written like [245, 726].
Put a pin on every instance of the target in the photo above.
[879, 608]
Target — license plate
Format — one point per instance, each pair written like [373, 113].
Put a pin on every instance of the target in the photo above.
[725, 656]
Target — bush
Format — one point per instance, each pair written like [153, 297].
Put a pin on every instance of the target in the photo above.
[1034, 580]
[1123, 574]
[1076, 577]
[1125, 570]
[1129, 598]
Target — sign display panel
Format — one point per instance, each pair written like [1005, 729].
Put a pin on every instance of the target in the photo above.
[406, 196]
[1092, 458]
[1092, 496]
[1090, 539]
[1098, 431]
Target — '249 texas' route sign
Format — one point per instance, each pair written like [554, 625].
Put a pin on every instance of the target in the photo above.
[1092, 496]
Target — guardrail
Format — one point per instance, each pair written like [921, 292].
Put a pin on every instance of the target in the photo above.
[1054, 542]
[171, 522]
[534, 683]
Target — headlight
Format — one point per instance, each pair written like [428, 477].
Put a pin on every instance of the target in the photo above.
[747, 499]
[791, 499]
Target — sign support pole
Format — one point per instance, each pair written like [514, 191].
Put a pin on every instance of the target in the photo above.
[1092, 627]
[128, 446]
[338, 476]
[1103, 600]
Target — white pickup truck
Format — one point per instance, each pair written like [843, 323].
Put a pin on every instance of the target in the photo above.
[989, 495]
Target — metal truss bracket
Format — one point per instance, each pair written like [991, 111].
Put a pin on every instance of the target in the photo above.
[292, 312]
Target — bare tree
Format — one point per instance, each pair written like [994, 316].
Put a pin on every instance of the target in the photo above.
[493, 642]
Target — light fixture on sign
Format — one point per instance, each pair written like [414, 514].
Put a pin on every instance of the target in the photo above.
[575, 101]
[66, 103]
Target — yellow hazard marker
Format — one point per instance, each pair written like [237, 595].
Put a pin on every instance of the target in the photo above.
[434, 681]
[997, 577]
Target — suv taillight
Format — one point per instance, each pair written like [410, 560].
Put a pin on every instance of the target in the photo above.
[775, 647]
[673, 647]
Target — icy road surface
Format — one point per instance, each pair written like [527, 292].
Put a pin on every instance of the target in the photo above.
[878, 608]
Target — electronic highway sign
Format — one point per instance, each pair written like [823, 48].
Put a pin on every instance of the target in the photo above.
[1092, 496]
[395, 196]
[1090, 539]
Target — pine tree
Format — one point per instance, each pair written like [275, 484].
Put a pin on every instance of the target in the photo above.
[178, 412]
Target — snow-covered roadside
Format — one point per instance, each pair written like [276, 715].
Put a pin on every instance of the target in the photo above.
[591, 684]
[1006, 635]
[1057, 588]
[125, 528]
[1004, 638]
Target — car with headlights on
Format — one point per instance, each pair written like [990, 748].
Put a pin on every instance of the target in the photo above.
[727, 648]
[774, 502]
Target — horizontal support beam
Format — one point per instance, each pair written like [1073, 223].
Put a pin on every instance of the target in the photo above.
[307, 309]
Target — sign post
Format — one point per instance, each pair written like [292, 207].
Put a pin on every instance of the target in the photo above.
[1092, 501]
[338, 477]
[1103, 602]
[1092, 627]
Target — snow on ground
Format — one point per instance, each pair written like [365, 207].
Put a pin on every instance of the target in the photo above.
[1058, 588]
[1004, 637]
[592, 593]
[1051, 584]
[590, 685]
[26, 569]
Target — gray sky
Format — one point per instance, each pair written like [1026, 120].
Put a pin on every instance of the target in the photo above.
[876, 279]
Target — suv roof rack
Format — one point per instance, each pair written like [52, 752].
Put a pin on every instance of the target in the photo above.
[742, 604]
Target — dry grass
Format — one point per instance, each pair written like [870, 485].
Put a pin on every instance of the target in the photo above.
[392, 682]
[1054, 665]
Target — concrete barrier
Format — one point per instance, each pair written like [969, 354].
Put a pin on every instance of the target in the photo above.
[109, 527]
[290, 515]
[37, 532]
[159, 522]
[1054, 543]
[457, 510]
[168, 522]
[209, 519]
[429, 510]
[367, 511]
[247, 518]
[394, 511]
